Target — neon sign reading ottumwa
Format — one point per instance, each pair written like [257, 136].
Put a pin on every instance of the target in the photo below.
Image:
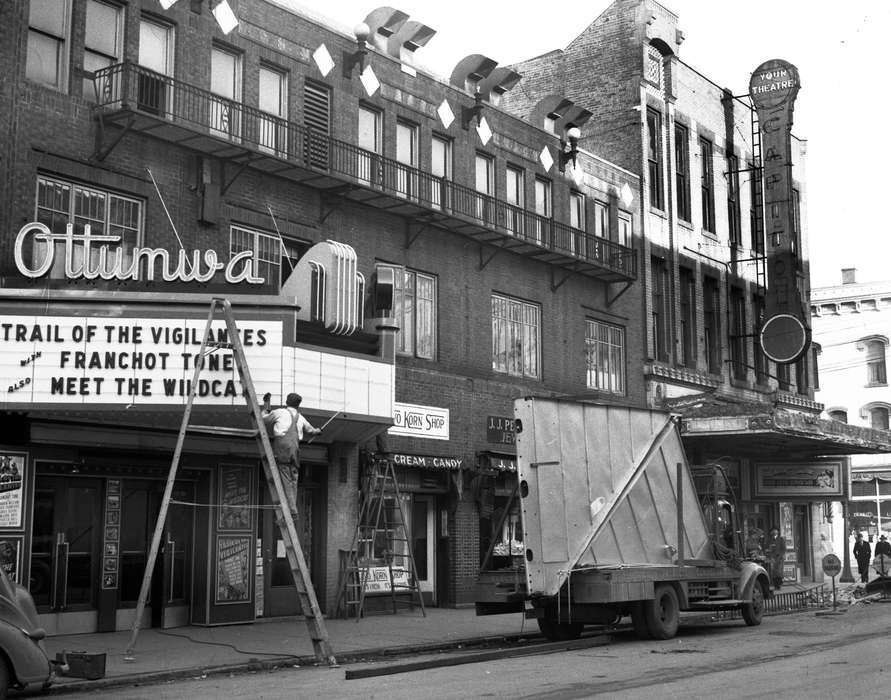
[99, 256]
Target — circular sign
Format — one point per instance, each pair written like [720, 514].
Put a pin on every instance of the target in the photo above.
[774, 83]
[785, 338]
[831, 565]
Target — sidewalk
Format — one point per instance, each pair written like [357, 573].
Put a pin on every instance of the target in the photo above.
[196, 651]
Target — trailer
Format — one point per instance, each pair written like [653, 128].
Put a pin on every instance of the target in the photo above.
[613, 526]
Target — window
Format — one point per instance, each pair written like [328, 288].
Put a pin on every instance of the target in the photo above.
[441, 169]
[682, 170]
[801, 375]
[60, 202]
[317, 119]
[687, 350]
[414, 311]
[708, 185]
[878, 418]
[485, 185]
[225, 83]
[407, 157]
[755, 210]
[654, 158]
[711, 307]
[103, 45]
[737, 333]
[48, 27]
[515, 194]
[734, 214]
[544, 210]
[605, 355]
[625, 228]
[273, 136]
[516, 337]
[266, 248]
[601, 219]
[576, 221]
[153, 92]
[370, 140]
[875, 363]
[655, 70]
[839, 415]
[784, 379]
[816, 351]
[660, 322]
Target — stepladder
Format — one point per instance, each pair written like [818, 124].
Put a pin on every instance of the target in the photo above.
[221, 309]
[381, 560]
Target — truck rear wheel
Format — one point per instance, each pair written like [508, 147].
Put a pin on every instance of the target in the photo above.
[560, 631]
[663, 613]
[753, 611]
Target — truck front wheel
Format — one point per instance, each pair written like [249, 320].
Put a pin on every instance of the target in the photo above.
[753, 611]
[663, 613]
[559, 631]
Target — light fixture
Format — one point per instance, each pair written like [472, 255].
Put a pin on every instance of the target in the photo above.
[357, 58]
[569, 147]
[469, 113]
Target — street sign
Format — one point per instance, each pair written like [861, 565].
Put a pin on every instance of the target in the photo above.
[831, 565]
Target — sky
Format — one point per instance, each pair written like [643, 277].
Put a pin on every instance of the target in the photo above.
[838, 48]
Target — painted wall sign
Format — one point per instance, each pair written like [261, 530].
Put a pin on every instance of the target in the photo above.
[785, 336]
[97, 256]
[817, 479]
[64, 359]
[501, 430]
[420, 421]
[428, 461]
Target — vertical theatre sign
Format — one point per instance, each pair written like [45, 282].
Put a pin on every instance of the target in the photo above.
[785, 335]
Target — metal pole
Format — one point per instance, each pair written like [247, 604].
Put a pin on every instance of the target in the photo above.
[846, 575]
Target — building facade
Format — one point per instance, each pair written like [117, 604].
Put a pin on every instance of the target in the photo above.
[397, 248]
[853, 337]
[716, 235]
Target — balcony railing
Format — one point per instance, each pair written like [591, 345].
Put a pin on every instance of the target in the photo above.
[127, 87]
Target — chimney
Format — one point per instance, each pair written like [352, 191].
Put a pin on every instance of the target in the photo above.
[849, 275]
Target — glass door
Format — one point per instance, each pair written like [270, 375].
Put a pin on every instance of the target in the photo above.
[423, 542]
[66, 541]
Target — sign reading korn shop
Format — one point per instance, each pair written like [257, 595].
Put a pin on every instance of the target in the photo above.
[420, 421]
[140, 361]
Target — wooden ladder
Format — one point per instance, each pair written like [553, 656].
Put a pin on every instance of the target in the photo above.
[381, 527]
[309, 605]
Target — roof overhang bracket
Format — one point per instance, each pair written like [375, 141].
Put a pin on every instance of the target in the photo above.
[101, 152]
[245, 163]
[486, 259]
[612, 298]
[413, 231]
[331, 201]
[555, 284]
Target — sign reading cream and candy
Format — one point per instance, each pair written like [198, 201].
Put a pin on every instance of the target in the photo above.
[96, 360]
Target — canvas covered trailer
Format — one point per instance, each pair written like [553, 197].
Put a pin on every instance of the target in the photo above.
[612, 525]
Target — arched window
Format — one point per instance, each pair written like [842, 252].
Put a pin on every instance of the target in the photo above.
[839, 414]
[875, 363]
[878, 418]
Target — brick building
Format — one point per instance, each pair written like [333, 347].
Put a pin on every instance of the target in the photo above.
[708, 267]
[853, 337]
[402, 251]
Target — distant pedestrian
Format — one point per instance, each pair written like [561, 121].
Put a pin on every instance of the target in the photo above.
[883, 546]
[776, 554]
[863, 553]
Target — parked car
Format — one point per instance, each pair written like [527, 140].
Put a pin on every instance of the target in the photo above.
[23, 659]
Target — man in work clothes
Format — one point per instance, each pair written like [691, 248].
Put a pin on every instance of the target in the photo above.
[287, 427]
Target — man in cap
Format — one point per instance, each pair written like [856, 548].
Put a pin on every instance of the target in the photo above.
[287, 427]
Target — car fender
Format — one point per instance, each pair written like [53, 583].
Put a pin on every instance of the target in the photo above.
[28, 660]
[752, 574]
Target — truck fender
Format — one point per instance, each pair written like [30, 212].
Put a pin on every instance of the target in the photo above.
[752, 574]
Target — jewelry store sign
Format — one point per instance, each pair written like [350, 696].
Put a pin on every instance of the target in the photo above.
[429, 422]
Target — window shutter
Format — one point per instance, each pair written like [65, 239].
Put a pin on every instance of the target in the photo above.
[317, 118]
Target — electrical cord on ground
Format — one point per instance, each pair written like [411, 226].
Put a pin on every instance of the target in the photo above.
[225, 644]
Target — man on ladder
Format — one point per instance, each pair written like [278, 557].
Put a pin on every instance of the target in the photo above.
[287, 427]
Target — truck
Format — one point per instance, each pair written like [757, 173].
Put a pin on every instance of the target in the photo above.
[613, 526]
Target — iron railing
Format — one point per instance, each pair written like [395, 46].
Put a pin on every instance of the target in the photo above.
[129, 87]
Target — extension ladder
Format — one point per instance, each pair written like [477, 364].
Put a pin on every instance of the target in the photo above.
[305, 593]
[381, 533]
